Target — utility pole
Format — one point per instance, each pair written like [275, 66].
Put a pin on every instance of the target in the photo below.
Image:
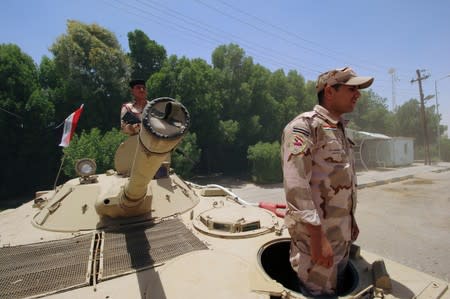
[422, 112]
[438, 122]
[438, 116]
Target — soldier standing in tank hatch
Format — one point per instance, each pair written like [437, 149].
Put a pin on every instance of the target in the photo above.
[320, 183]
[139, 92]
[132, 125]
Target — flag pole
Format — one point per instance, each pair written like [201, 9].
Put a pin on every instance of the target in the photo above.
[59, 171]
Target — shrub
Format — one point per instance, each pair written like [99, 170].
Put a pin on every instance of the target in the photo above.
[445, 149]
[93, 145]
[265, 162]
[186, 156]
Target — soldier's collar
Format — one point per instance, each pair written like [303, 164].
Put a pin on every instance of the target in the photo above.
[327, 115]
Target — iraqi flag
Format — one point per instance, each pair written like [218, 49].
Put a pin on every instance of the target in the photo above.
[69, 126]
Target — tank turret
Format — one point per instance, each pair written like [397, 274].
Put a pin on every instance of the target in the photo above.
[107, 200]
[164, 123]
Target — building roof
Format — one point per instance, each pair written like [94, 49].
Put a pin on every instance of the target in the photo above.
[365, 135]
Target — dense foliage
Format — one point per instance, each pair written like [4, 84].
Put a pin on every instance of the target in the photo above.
[92, 69]
[147, 57]
[94, 145]
[238, 108]
[265, 162]
[26, 112]
[186, 156]
[445, 149]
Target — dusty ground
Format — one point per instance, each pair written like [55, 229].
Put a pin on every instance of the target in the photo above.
[409, 222]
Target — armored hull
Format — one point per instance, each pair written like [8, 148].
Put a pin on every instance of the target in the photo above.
[203, 245]
[145, 233]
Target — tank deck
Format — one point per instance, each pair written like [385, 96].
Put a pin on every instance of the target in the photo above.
[44, 268]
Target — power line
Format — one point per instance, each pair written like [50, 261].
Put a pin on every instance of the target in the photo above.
[164, 22]
[262, 30]
[215, 31]
[209, 35]
[369, 66]
[293, 34]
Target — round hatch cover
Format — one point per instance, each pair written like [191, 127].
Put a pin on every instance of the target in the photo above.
[235, 221]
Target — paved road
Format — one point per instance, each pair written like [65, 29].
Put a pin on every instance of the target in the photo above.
[409, 222]
[403, 214]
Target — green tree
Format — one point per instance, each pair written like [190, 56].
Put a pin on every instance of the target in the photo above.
[93, 145]
[265, 162]
[93, 70]
[48, 78]
[186, 156]
[192, 83]
[433, 120]
[408, 126]
[445, 149]
[233, 70]
[230, 128]
[25, 113]
[291, 99]
[147, 56]
[370, 114]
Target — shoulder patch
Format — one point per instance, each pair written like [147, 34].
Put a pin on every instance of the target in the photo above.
[297, 143]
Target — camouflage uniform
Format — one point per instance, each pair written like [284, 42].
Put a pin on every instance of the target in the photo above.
[320, 187]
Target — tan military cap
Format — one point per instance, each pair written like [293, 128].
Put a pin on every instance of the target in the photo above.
[344, 76]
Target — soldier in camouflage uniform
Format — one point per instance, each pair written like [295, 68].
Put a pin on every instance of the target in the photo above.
[139, 92]
[320, 183]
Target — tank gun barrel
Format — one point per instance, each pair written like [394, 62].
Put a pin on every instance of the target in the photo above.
[164, 123]
[163, 126]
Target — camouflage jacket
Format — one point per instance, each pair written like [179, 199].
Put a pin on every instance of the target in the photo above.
[319, 174]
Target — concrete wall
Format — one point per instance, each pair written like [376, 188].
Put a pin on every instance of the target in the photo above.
[398, 151]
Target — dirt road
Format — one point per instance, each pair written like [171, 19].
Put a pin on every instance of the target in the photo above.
[409, 222]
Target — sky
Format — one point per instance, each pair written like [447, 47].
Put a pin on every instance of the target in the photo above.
[386, 39]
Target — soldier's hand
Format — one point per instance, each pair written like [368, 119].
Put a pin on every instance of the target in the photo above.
[131, 129]
[327, 254]
[136, 128]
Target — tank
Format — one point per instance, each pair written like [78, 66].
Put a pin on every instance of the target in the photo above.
[141, 231]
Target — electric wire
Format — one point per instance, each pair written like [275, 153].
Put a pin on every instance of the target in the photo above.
[278, 28]
[367, 65]
[214, 36]
[209, 35]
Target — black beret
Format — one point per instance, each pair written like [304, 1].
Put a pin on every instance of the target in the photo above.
[137, 82]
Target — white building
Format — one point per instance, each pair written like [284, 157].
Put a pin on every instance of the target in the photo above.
[378, 150]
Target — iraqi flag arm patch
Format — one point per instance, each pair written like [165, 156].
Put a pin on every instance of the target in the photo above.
[296, 144]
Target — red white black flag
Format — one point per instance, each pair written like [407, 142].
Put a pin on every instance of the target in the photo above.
[69, 126]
